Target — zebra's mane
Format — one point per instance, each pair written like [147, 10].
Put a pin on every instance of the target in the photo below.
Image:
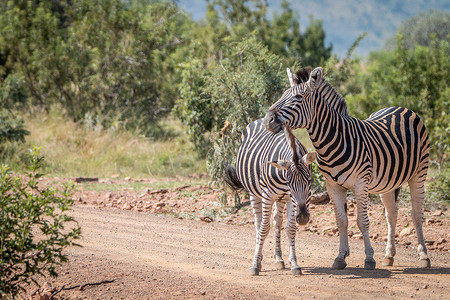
[334, 99]
[291, 140]
[302, 75]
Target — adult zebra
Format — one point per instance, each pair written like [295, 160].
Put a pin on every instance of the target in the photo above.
[377, 156]
[272, 167]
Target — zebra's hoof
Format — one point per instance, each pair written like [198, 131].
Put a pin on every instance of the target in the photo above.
[254, 271]
[388, 261]
[296, 271]
[369, 264]
[339, 263]
[425, 263]
[280, 265]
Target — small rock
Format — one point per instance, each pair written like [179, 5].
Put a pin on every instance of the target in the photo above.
[425, 286]
[429, 221]
[406, 231]
[128, 178]
[160, 204]
[320, 198]
[357, 236]
[206, 219]
[437, 213]
[126, 206]
[202, 293]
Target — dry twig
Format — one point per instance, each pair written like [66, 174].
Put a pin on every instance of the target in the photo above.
[64, 288]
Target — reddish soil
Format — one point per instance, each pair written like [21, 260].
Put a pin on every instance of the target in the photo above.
[169, 244]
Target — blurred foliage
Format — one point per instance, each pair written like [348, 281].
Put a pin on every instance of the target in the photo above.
[417, 30]
[438, 191]
[33, 231]
[12, 128]
[104, 60]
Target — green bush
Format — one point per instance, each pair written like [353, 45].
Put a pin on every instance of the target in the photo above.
[33, 229]
[218, 104]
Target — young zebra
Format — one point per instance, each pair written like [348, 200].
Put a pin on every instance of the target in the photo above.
[272, 167]
[376, 156]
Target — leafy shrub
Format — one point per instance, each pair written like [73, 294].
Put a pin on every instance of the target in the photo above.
[33, 229]
[438, 190]
[11, 128]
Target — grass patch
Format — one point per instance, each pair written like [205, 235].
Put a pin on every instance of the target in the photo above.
[73, 149]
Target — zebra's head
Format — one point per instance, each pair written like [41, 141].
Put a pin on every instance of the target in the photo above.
[298, 177]
[295, 108]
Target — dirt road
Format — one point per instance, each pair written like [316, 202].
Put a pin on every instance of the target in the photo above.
[153, 257]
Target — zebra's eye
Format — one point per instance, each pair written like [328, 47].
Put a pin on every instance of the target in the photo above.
[298, 98]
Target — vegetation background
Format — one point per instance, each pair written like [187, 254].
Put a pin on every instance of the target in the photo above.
[139, 88]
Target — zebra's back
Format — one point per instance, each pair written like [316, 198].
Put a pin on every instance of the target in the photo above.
[258, 147]
[399, 146]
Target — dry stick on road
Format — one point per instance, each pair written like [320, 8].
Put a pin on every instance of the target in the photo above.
[63, 288]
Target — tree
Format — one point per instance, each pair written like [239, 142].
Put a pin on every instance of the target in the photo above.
[281, 35]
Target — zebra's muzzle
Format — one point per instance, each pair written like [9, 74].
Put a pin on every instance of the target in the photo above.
[302, 216]
[272, 122]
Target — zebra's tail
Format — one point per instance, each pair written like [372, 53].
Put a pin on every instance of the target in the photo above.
[232, 179]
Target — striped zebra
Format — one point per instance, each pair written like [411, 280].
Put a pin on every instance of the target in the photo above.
[376, 156]
[273, 167]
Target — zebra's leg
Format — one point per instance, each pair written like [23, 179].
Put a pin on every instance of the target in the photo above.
[362, 200]
[277, 222]
[263, 231]
[338, 196]
[257, 211]
[390, 205]
[417, 189]
[291, 228]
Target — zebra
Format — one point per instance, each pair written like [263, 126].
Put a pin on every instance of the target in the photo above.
[273, 167]
[377, 156]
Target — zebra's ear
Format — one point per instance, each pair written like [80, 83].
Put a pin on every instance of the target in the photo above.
[308, 158]
[315, 78]
[280, 164]
[292, 78]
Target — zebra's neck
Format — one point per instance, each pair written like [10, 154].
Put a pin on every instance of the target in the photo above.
[330, 110]
[333, 98]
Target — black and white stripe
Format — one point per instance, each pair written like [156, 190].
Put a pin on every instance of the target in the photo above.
[377, 155]
[273, 168]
